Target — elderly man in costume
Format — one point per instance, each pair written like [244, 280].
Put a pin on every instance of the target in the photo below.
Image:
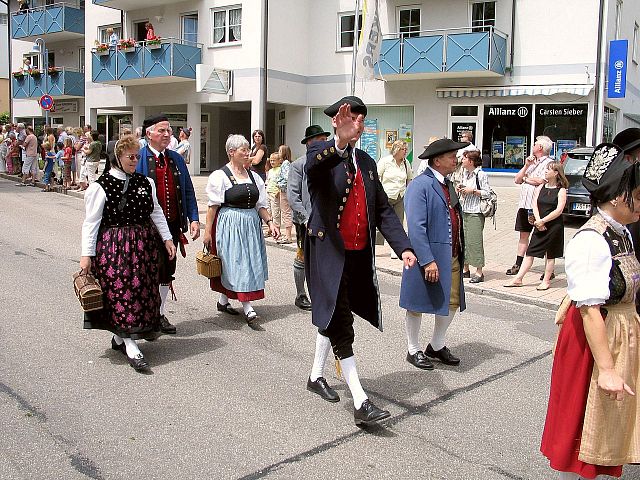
[347, 204]
[175, 195]
[434, 285]
[298, 196]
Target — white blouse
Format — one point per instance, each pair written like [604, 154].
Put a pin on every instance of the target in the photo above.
[94, 200]
[218, 183]
[587, 263]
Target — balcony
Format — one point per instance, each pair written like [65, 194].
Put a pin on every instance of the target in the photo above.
[454, 53]
[172, 61]
[64, 83]
[131, 4]
[58, 21]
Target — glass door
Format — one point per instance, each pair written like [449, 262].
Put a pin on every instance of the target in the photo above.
[189, 28]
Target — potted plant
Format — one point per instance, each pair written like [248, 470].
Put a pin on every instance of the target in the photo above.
[127, 45]
[54, 70]
[102, 49]
[18, 75]
[154, 43]
[35, 73]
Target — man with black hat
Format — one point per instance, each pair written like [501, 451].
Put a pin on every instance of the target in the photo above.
[347, 204]
[175, 195]
[298, 196]
[434, 285]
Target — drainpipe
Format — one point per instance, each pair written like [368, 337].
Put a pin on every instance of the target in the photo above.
[598, 104]
[513, 36]
[6, 3]
[265, 69]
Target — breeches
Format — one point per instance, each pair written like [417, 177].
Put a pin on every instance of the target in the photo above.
[168, 267]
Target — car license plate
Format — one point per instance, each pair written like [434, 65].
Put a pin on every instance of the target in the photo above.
[582, 207]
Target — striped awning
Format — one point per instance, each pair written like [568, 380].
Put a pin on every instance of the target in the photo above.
[513, 91]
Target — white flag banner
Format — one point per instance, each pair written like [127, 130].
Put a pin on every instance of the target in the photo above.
[370, 40]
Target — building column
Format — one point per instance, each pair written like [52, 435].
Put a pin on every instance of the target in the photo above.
[93, 118]
[138, 117]
[194, 112]
[258, 118]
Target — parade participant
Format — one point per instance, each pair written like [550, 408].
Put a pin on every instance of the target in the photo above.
[119, 243]
[530, 176]
[298, 195]
[348, 203]
[434, 285]
[592, 425]
[175, 195]
[237, 203]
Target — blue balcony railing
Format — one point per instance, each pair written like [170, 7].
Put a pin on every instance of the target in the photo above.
[172, 60]
[62, 19]
[443, 53]
[66, 82]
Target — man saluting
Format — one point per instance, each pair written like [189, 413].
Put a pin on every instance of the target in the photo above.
[347, 204]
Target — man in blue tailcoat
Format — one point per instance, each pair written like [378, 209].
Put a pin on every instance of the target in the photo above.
[175, 195]
[348, 203]
[434, 284]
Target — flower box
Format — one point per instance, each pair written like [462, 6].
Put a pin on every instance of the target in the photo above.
[35, 73]
[127, 49]
[154, 46]
[101, 53]
[127, 45]
[18, 75]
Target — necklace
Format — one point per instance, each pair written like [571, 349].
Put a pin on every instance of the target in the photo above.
[242, 172]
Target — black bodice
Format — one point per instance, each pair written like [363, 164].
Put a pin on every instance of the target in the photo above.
[618, 245]
[240, 195]
[125, 209]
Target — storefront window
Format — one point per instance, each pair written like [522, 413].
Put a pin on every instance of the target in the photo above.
[506, 132]
[566, 125]
[609, 126]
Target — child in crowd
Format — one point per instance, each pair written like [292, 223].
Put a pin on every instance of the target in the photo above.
[50, 157]
[273, 190]
[67, 159]
[283, 179]
[59, 162]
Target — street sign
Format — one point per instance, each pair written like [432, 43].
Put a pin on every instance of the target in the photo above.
[46, 102]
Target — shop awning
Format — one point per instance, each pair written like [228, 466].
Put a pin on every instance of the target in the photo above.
[514, 91]
[634, 117]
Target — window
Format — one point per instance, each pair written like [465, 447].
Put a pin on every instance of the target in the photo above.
[81, 59]
[227, 23]
[483, 16]
[346, 27]
[4, 19]
[104, 36]
[618, 18]
[634, 47]
[57, 121]
[189, 27]
[409, 21]
[609, 124]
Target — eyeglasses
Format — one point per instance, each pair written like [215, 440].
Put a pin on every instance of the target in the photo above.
[131, 156]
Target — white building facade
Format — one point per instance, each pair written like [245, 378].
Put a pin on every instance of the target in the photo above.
[509, 70]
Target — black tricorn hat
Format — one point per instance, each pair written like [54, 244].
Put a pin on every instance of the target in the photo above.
[628, 139]
[149, 121]
[357, 106]
[443, 145]
[313, 131]
[608, 174]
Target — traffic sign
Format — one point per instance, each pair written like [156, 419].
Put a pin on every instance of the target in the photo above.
[46, 102]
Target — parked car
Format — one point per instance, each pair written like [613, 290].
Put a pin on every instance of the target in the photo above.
[578, 201]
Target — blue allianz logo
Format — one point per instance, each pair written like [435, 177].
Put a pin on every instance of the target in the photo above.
[617, 84]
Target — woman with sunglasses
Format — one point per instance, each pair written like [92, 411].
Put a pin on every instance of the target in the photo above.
[119, 244]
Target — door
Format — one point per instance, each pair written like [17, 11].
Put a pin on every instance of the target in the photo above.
[189, 28]
[140, 31]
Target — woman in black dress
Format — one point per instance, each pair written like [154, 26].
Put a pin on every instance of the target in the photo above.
[259, 154]
[547, 239]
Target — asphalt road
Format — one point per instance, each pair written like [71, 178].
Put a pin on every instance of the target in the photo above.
[227, 402]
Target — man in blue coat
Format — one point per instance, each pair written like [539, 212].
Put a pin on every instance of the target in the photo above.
[434, 285]
[348, 203]
[175, 195]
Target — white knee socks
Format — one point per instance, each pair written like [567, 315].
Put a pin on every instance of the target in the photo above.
[164, 291]
[412, 321]
[440, 330]
[353, 382]
[132, 348]
[117, 339]
[223, 299]
[323, 346]
[247, 307]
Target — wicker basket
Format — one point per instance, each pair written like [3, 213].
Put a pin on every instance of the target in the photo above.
[88, 291]
[208, 265]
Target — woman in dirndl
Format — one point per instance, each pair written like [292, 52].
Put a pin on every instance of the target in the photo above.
[237, 203]
[120, 245]
[593, 418]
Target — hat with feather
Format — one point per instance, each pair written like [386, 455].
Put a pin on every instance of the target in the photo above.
[608, 175]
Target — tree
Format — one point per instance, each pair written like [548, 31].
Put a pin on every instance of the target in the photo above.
[4, 118]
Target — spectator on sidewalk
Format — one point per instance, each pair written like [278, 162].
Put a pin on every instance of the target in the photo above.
[285, 209]
[530, 176]
[67, 159]
[425, 163]
[50, 158]
[30, 165]
[184, 147]
[92, 152]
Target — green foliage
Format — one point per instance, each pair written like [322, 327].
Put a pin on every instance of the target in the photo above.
[4, 118]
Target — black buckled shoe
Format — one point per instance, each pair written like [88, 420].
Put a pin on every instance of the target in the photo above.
[419, 360]
[513, 270]
[227, 308]
[116, 347]
[252, 320]
[369, 414]
[139, 363]
[166, 326]
[553, 275]
[303, 303]
[322, 388]
[444, 355]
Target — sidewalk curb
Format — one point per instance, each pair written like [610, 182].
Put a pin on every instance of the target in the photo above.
[55, 189]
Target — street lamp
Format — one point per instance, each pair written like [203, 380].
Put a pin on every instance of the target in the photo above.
[40, 47]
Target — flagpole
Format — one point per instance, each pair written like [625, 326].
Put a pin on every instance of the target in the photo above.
[356, 32]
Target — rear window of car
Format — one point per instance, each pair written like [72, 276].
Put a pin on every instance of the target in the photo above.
[575, 166]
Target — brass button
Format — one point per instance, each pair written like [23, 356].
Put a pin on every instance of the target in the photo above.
[310, 232]
[341, 208]
[326, 152]
[344, 199]
[338, 225]
[347, 190]
[332, 150]
[320, 234]
[349, 181]
[319, 157]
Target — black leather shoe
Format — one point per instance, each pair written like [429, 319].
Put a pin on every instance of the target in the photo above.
[166, 327]
[322, 388]
[227, 309]
[139, 363]
[369, 414]
[419, 360]
[444, 355]
[252, 319]
[303, 303]
[553, 275]
[466, 274]
[513, 270]
[116, 347]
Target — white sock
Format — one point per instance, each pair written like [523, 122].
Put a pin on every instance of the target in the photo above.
[247, 307]
[569, 476]
[118, 340]
[223, 299]
[412, 321]
[350, 375]
[323, 346]
[164, 291]
[440, 330]
[132, 348]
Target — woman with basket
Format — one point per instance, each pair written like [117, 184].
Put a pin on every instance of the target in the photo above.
[120, 245]
[237, 203]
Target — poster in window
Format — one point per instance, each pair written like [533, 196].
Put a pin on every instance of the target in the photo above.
[405, 132]
[563, 148]
[369, 137]
[515, 150]
[458, 128]
[497, 150]
[390, 137]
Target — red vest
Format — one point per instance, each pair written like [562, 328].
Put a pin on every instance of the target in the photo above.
[353, 223]
[455, 223]
[166, 190]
